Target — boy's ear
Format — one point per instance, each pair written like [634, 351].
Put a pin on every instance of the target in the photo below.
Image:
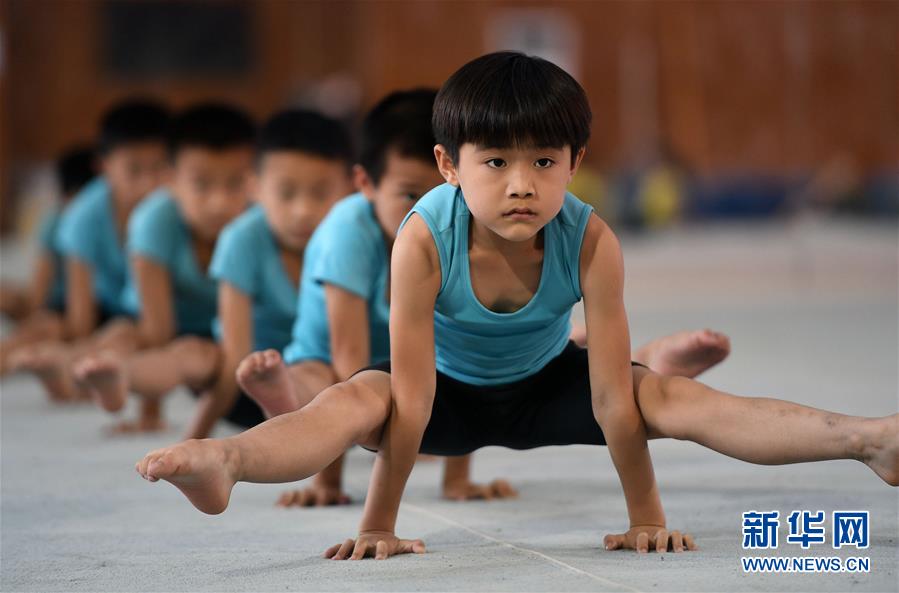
[363, 182]
[445, 164]
[577, 163]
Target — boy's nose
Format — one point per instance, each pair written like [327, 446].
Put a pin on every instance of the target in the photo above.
[519, 182]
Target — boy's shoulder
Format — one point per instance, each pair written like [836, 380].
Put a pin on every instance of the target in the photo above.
[248, 228]
[89, 204]
[440, 206]
[574, 210]
[352, 217]
[159, 204]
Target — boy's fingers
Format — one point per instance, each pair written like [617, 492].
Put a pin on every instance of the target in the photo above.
[406, 546]
[331, 551]
[642, 545]
[661, 541]
[359, 550]
[677, 541]
[381, 550]
[613, 541]
[344, 549]
[689, 542]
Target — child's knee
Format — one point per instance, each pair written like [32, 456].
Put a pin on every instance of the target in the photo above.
[365, 396]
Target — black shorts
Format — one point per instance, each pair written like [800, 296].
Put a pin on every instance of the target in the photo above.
[244, 413]
[550, 407]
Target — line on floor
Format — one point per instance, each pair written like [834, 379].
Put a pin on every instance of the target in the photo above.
[489, 537]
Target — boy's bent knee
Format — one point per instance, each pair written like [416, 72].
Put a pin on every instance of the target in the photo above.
[365, 398]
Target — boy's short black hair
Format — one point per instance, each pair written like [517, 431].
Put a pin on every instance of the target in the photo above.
[74, 168]
[306, 131]
[508, 99]
[214, 126]
[400, 122]
[131, 121]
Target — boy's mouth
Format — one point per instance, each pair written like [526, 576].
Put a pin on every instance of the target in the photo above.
[520, 214]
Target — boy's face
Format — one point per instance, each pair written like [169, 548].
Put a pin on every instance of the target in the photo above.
[133, 170]
[514, 192]
[212, 187]
[404, 181]
[297, 190]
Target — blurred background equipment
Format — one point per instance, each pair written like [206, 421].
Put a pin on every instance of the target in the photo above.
[702, 109]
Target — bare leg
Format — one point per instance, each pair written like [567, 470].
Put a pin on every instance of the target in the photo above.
[457, 484]
[684, 354]
[52, 362]
[764, 430]
[151, 374]
[286, 448]
[264, 377]
[280, 389]
[40, 327]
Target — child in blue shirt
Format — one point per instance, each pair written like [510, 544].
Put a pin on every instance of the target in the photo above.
[132, 157]
[343, 312]
[38, 308]
[171, 237]
[303, 165]
[486, 271]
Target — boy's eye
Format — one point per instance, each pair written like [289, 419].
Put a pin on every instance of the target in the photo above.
[543, 163]
[496, 163]
[411, 196]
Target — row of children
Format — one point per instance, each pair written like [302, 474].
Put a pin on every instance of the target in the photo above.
[471, 303]
[178, 285]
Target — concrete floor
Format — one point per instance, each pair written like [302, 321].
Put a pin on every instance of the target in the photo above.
[812, 312]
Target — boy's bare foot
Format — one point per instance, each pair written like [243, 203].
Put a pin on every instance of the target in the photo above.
[102, 375]
[686, 353]
[313, 496]
[880, 450]
[48, 363]
[264, 377]
[466, 490]
[204, 471]
[141, 425]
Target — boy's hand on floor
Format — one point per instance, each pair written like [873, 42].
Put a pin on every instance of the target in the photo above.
[644, 538]
[380, 544]
[313, 496]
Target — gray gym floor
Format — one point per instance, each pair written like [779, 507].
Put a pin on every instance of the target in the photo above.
[811, 308]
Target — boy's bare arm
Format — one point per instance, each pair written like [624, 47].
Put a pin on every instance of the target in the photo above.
[235, 313]
[414, 287]
[614, 405]
[157, 310]
[349, 331]
[41, 280]
[81, 306]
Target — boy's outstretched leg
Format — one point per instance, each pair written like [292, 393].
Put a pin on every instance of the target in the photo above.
[764, 430]
[264, 377]
[151, 374]
[281, 389]
[684, 354]
[286, 448]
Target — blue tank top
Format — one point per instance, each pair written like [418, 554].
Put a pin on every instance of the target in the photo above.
[481, 347]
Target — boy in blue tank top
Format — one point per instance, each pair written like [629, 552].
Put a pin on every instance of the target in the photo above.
[486, 270]
[343, 310]
[303, 162]
[39, 307]
[171, 237]
[91, 239]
